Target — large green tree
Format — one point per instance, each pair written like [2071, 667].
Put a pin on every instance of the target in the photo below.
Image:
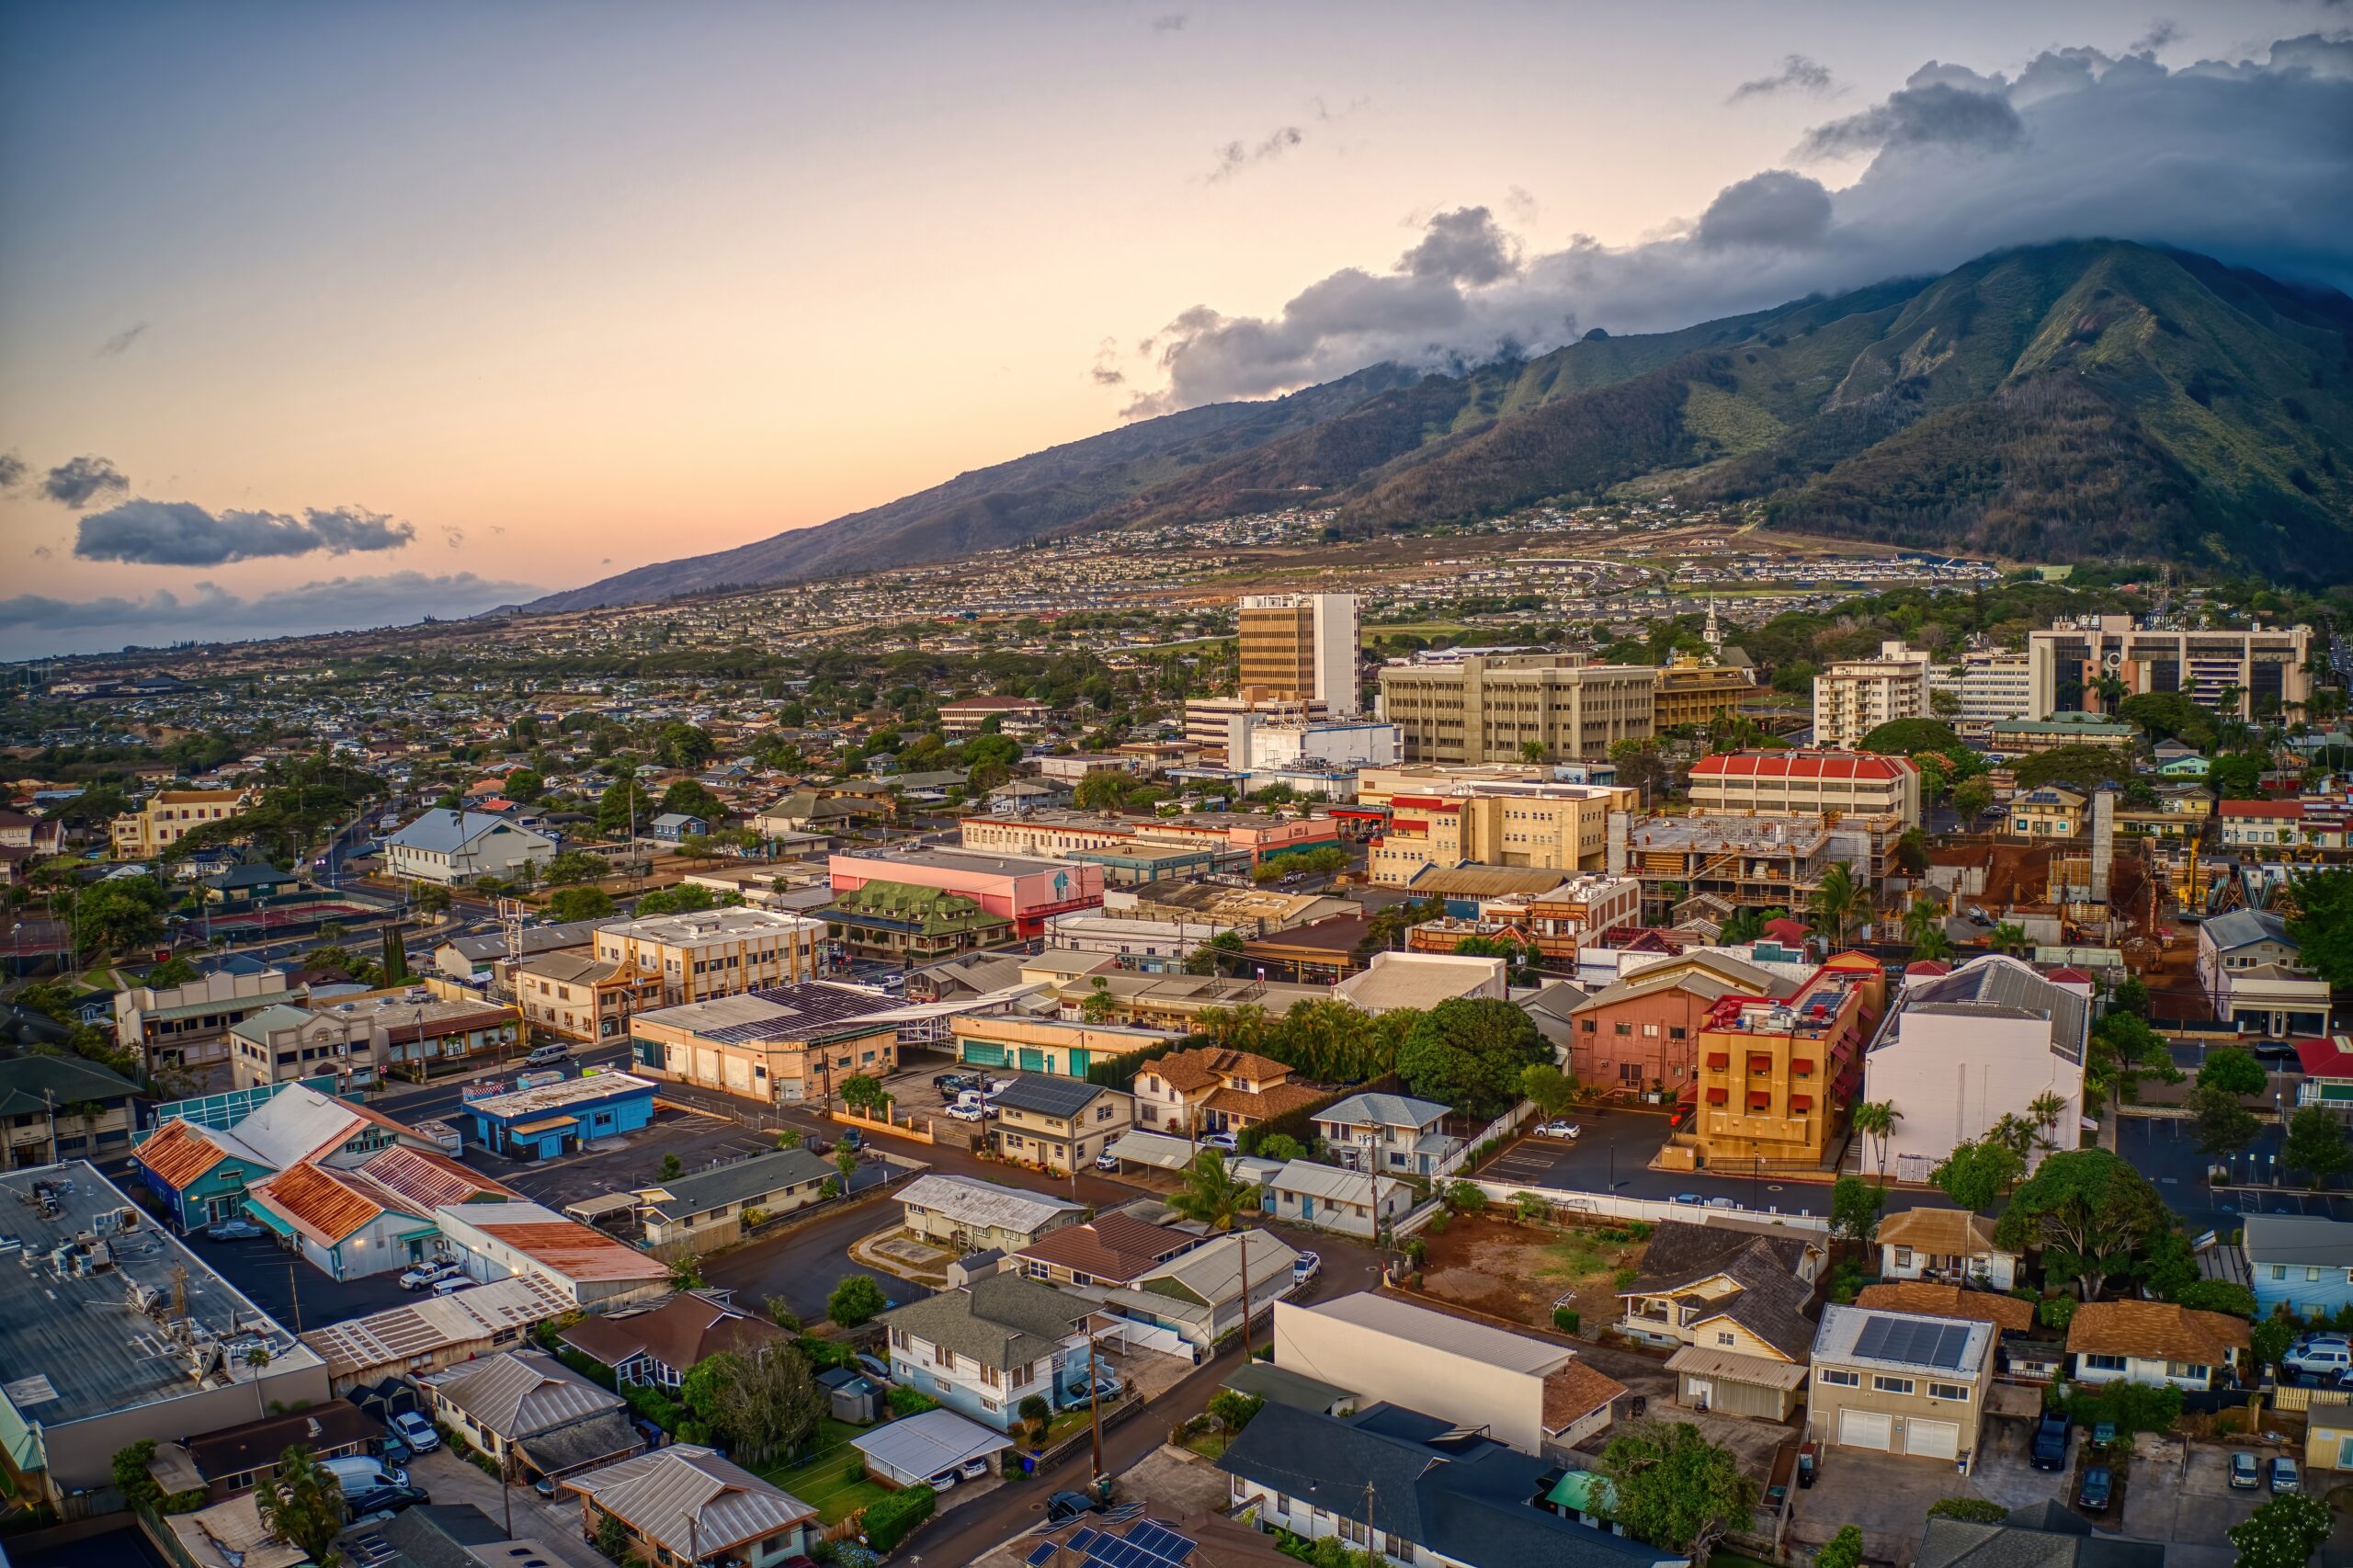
[2323, 926]
[119, 914]
[303, 1504]
[764, 1408]
[2282, 1533]
[2233, 1071]
[1974, 1174]
[1469, 1052]
[2093, 1216]
[2316, 1143]
[1675, 1490]
[2223, 1125]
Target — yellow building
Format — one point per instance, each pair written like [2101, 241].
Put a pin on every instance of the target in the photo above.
[171, 814]
[1059, 1123]
[2047, 813]
[1487, 817]
[1773, 1073]
[715, 952]
[1692, 693]
[1492, 708]
[793, 1044]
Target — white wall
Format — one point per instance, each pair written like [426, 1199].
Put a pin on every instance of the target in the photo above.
[1379, 1366]
[1951, 1076]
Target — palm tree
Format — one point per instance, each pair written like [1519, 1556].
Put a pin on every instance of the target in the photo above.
[1877, 1118]
[2046, 1109]
[1212, 1194]
[1922, 919]
[1838, 902]
[2008, 938]
[1934, 945]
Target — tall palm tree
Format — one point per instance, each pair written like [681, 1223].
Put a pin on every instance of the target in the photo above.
[1877, 1118]
[1212, 1194]
[2008, 938]
[1839, 902]
[1922, 918]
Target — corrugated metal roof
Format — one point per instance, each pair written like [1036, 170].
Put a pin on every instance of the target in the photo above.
[926, 1444]
[428, 1180]
[324, 1205]
[518, 1392]
[179, 1152]
[441, 1323]
[558, 1097]
[657, 1494]
[563, 1247]
[971, 1201]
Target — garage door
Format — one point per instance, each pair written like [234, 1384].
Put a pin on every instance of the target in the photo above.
[1933, 1439]
[1865, 1429]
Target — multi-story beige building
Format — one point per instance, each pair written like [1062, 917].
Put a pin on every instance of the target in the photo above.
[1493, 707]
[171, 814]
[1854, 697]
[716, 952]
[579, 998]
[1303, 647]
[1827, 783]
[2260, 671]
[1693, 693]
[1901, 1383]
[1490, 817]
[1209, 721]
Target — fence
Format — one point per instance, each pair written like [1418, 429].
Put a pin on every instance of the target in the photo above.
[883, 1124]
[1611, 1205]
[1502, 1127]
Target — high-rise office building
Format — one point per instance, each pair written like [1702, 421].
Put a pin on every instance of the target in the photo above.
[1495, 708]
[1302, 647]
[2251, 674]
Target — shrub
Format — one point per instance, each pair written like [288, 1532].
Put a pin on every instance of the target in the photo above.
[652, 1404]
[1624, 1278]
[888, 1519]
[1438, 1224]
[1565, 1319]
[856, 1300]
[1466, 1196]
[1844, 1550]
[2056, 1312]
[905, 1401]
[1416, 1250]
[1975, 1510]
[1528, 1207]
[2133, 1407]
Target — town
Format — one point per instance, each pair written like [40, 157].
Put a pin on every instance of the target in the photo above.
[1603, 1035]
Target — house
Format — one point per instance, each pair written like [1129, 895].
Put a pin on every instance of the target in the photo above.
[2042, 1535]
[672, 826]
[344, 1225]
[1421, 981]
[590, 1268]
[230, 1534]
[62, 1107]
[1354, 1203]
[1211, 1089]
[1733, 1300]
[2050, 811]
[1900, 1383]
[2328, 1437]
[908, 1451]
[1534, 1395]
[444, 1535]
[434, 1332]
[450, 846]
[964, 976]
[984, 1348]
[1390, 1134]
[2154, 1342]
[1059, 1123]
[712, 1208]
[2300, 1262]
[1992, 1039]
[1197, 1294]
[684, 1503]
[1417, 1488]
[2004, 1311]
[657, 1345]
[532, 1413]
[1946, 1245]
[977, 1215]
[1113, 1248]
[237, 1459]
[2251, 971]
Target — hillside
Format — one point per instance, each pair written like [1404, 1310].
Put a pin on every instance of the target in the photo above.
[2080, 400]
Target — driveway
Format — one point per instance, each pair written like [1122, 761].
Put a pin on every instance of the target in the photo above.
[292, 1289]
[1888, 1495]
[2180, 1494]
[556, 1526]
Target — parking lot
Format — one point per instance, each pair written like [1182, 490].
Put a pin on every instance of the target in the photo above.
[2165, 1149]
[2180, 1493]
[291, 1290]
[626, 1164]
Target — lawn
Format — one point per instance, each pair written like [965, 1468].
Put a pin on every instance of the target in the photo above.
[832, 1479]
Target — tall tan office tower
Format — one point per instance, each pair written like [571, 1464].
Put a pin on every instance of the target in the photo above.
[1302, 647]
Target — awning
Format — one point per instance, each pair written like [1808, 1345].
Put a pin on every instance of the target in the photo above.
[1760, 1062]
[1800, 1102]
[1803, 1067]
[1716, 1096]
[262, 1216]
[1759, 1098]
[1719, 1060]
[545, 1124]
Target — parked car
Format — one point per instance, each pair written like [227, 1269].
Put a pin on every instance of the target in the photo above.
[383, 1502]
[941, 1480]
[2102, 1434]
[1722, 1203]
[952, 1083]
[852, 1141]
[1104, 1391]
[974, 1470]
[416, 1432]
[424, 1276]
[874, 1366]
[391, 1450]
[1106, 1161]
[2283, 1476]
[1065, 1506]
[547, 1056]
[967, 1113]
[1691, 1197]
[1568, 1129]
[1225, 1142]
[2098, 1488]
[1306, 1267]
[232, 1229]
[2246, 1475]
[2319, 1357]
[545, 1487]
[2050, 1450]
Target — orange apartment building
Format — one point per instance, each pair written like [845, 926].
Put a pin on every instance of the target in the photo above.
[1775, 1074]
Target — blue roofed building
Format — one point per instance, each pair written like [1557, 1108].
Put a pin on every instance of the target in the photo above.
[449, 846]
[559, 1118]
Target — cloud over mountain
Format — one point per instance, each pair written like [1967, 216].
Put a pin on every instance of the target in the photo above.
[33, 623]
[2235, 159]
[181, 533]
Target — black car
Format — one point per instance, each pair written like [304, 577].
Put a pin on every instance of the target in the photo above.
[1065, 1506]
[387, 1500]
[2098, 1487]
[2050, 1443]
[949, 1083]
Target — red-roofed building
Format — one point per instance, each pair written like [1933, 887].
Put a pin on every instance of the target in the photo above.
[2327, 1065]
[1787, 932]
[1778, 783]
[2266, 824]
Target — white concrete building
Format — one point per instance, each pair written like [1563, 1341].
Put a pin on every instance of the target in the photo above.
[453, 846]
[1256, 744]
[1960, 1052]
[1854, 697]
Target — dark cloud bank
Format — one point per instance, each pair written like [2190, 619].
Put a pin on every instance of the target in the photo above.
[2249, 161]
[181, 533]
[31, 624]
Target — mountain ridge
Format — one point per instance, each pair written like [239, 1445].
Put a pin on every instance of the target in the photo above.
[2085, 398]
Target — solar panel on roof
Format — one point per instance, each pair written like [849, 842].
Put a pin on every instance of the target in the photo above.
[1039, 1554]
[1084, 1539]
[1917, 1341]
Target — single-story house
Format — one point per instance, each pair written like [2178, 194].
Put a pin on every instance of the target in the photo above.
[1354, 1203]
[2328, 1437]
[710, 1209]
[527, 1406]
[434, 1332]
[2154, 1342]
[905, 1452]
[967, 1212]
[684, 1503]
[1946, 1244]
[658, 1345]
[1196, 1295]
[237, 1459]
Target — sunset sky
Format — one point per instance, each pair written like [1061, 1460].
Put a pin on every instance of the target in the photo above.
[484, 299]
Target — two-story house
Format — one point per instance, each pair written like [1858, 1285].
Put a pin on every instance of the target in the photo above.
[1060, 1123]
[2300, 1262]
[2154, 1342]
[1902, 1383]
[1734, 1299]
[2050, 811]
[1210, 1089]
[2252, 973]
[1392, 1134]
[1112, 1249]
[62, 1107]
[984, 1350]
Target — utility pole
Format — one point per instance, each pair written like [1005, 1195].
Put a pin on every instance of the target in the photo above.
[1094, 1402]
[294, 1290]
[1249, 1353]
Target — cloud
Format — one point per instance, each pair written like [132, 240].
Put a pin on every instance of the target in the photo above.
[34, 624]
[181, 533]
[2236, 159]
[120, 340]
[2161, 33]
[1172, 23]
[453, 536]
[82, 481]
[1797, 75]
[12, 471]
[1235, 157]
[1107, 371]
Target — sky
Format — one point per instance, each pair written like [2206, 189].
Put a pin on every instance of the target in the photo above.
[330, 316]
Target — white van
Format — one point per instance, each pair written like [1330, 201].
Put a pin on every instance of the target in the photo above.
[357, 1473]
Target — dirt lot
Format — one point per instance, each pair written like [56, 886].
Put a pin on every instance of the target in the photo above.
[1520, 1271]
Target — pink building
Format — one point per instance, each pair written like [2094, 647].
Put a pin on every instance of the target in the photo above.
[1026, 891]
[1256, 833]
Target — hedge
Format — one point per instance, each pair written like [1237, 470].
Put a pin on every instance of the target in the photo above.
[888, 1520]
[1120, 1071]
[654, 1406]
[1300, 1123]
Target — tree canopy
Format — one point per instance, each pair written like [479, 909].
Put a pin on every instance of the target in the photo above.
[2093, 1215]
[1674, 1489]
[1469, 1052]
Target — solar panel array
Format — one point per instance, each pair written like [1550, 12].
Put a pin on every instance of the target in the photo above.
[1920, 1342]
[1148, 1544]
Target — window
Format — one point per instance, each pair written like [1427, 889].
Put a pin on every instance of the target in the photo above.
[2189, 1371]
[1725, 1339]
[1902, 1257]
[1958, 1392]
[1622, 1031]
[2312, 1275]
[1840, 1378]
[2279, 1271]
[1884, 1385]
[2105, 1363]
